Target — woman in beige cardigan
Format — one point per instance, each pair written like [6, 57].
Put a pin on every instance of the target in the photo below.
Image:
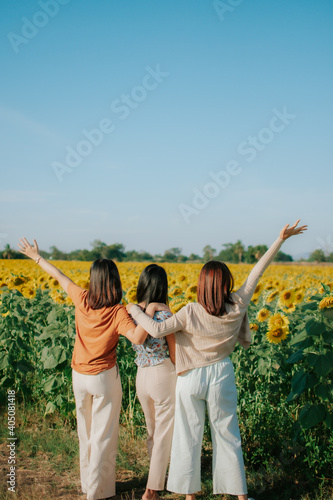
[206, 334]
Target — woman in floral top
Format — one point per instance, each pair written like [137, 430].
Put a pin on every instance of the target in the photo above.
[156, 380]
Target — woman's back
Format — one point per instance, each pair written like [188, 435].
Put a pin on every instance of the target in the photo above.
[97, 333]
[204, 339]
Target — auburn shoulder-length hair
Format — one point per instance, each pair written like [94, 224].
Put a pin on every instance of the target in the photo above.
[152, 285]
[105, 288]
[214, 287]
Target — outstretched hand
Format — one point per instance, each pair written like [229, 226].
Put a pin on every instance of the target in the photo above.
[287, 231]
[30, 251]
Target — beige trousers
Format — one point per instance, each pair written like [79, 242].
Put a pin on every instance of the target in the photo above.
[98, 402]
[155, 386]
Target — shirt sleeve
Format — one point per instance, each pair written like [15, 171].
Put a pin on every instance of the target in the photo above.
[125, 323]
[160, 329]
[245, 292]
[75, 292]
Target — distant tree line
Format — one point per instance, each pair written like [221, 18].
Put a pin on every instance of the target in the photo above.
[231, 252]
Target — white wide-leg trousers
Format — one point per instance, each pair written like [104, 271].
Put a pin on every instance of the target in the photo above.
[98, 402]
[212, 386]
[155, 386]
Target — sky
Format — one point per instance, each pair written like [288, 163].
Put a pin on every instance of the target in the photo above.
[161, 124]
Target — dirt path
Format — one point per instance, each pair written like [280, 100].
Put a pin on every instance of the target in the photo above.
[38, 479]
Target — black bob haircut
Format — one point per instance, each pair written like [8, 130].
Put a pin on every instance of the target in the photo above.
[152, 285]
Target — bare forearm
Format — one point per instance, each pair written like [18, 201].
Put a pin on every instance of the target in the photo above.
[171, 341]
[54, 272]
[246, 291]
[50, 268]
[136, 335]
[154, 328]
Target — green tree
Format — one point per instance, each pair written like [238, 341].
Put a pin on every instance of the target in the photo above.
[8, 252]
[170, 256]
[283, 257]
[253, 254]
[194, 256]
[116, 252]
[239, 250]
[317, 256]
[57, 254]
[227, 254]
[208, 253]
[329, 258]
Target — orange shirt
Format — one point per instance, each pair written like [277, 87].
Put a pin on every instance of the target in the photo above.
[97, 333]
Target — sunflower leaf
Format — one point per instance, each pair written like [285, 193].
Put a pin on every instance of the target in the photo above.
[309, 306]
[312, 415]
[329, 420]
[297, 356]
[325, 392]
[321, 363]
[326, 288]
[328, 337]
[299, 338]
[314, 328]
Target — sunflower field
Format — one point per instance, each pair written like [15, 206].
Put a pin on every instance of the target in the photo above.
[284, 379]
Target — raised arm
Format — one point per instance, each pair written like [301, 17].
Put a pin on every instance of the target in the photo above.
[154, 328]
[33, 253]
[247, 289]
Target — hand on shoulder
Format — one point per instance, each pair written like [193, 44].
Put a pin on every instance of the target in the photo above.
[155, 306]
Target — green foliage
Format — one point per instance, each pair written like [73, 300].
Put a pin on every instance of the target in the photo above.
[312, 382]
[36, 344]
[285, 390]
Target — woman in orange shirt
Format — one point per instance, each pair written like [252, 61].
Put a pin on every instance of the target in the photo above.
[99, 319]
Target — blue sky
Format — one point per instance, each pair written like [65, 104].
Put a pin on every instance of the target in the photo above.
[117, 119]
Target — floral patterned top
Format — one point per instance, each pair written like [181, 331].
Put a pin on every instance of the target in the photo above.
[153, 351]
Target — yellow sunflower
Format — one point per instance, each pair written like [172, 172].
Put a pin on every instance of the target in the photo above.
[191, 293]
[326, 302]
[289, 308]
[176, 304]
[131, 294]
[299, 297]
[263, 315]
[176, 291]
[277, 320]
[272, 296]
[254, 326]
[287, 297]
[192, 288]
[276, 335]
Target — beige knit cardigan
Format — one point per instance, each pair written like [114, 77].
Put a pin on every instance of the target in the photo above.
[201, 338]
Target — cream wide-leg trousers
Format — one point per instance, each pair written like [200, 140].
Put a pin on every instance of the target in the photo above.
[155, 387]
[98, 402]
[212, 386]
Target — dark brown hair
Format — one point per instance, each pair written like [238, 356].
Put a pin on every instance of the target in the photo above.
[105, 286]
[214, 287]
[152, 285]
